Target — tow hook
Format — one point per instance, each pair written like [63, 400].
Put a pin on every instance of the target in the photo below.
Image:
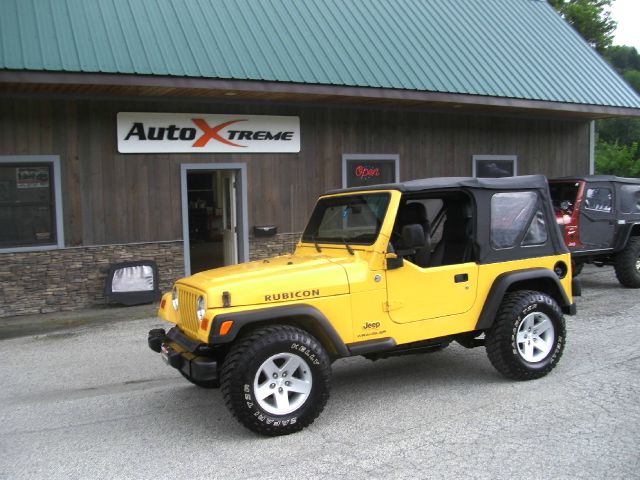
[156, 337]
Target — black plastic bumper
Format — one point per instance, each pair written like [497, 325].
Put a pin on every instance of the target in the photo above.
[182, 353]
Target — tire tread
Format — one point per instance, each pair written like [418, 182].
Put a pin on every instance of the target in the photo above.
[625, 264]
[498, 338]
[246, 348]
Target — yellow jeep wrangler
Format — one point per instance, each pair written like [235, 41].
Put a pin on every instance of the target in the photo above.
[379, 271]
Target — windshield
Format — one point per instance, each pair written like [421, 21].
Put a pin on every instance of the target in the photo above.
[354, 219]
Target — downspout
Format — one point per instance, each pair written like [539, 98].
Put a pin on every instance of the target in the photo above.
[592, 147]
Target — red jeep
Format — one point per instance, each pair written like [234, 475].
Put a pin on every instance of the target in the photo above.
[600, 218]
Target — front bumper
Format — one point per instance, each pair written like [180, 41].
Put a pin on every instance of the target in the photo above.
[184, 354]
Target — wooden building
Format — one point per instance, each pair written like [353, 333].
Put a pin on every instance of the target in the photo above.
[198, 135]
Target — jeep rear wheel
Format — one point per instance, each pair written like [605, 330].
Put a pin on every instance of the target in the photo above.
[627, 264]
[528, 336]
[276, 380]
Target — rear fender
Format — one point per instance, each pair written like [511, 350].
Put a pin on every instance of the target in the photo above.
[538, 279]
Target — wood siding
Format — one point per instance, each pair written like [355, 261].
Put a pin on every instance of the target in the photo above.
[110, 197]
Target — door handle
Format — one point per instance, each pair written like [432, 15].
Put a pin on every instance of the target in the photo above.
[461, 277]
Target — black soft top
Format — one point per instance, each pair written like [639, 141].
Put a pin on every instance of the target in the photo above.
[483, 190]
[598, 178]
[438, 183]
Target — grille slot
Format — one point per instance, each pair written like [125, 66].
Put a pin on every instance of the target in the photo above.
[188, 317]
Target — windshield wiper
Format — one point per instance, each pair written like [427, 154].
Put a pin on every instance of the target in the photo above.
[349, 249]
[315, 242]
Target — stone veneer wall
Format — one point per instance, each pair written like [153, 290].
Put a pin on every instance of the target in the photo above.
[279, 244]
[73, 278]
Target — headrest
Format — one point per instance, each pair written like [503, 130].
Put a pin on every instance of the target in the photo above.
[413, 213]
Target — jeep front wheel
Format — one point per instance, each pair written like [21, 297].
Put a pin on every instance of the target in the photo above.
[276, 380]
[627, 264]
[528, 336]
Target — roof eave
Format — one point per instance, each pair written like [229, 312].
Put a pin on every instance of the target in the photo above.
[311, 91]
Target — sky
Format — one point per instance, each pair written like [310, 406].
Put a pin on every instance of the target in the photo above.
[627, 14]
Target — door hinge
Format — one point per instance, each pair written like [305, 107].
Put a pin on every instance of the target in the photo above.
[392, 305]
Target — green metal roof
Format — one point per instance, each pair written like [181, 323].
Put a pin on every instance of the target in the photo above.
[518, 49]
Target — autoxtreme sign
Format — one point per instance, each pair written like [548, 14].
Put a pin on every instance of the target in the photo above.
[204, 133]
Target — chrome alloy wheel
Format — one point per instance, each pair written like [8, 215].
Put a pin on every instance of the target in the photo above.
[638, 264]
[535, 337]
[282, 383]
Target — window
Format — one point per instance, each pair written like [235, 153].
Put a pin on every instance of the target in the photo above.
[630, 198]
[30, 203]
[359, 170]
[133, 283]
[563, 195]
[447, 221]
[495, 166]
[598, 199]
[537, 233]
[355, 219]
[511, 214]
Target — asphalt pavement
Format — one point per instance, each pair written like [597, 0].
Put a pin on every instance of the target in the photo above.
[89, 400]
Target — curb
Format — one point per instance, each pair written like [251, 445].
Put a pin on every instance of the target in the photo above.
[27, 325]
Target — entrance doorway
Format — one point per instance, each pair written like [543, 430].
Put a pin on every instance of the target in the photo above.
[214, 220]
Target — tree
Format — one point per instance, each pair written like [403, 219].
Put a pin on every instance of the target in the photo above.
[591, 18]
[623, 57]
[617, 150]
[615, 159]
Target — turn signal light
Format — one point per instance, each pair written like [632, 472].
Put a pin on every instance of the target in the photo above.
[204, 324]
[225, 327]
[162, 304]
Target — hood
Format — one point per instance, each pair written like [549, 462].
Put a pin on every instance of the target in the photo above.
[280, 279]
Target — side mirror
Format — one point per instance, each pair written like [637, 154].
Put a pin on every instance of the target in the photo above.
[393, 261]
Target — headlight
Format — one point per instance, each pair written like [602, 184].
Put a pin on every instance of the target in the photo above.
[174, 298]
[201, 307]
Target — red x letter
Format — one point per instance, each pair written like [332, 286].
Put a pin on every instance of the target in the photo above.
[212, 133]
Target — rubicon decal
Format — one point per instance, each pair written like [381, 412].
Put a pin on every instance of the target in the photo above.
[276, 297]
[184, 132]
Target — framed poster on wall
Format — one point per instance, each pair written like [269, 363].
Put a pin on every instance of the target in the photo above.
[495, 166]
[360, 170]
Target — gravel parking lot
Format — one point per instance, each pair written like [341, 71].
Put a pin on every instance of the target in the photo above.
[95, 402]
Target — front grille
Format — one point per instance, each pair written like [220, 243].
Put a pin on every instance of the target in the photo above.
[187, 305]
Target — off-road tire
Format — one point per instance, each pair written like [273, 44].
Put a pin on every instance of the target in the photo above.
[202, 384]
[627, 264]
[243, 366]
[502, 338]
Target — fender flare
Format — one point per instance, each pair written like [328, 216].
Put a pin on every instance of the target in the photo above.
[502, 283]
[632, 229]
[305, 316]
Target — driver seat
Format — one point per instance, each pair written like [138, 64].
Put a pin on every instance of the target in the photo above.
[416, 213]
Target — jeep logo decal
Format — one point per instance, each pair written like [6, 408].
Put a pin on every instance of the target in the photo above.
[371, 325]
